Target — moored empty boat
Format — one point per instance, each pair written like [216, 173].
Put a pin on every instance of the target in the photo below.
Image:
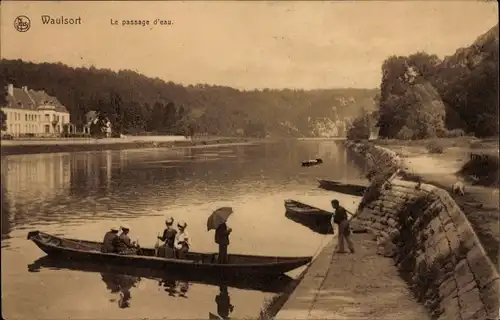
[314, 162]
[199, 263]
[342, 187]
[314, 218]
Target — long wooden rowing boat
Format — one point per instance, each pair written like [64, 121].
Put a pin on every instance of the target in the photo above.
[274, 284]
[314, 218]
[341, 187]
[197, 263]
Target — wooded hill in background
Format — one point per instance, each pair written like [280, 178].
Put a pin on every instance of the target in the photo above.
[424, 97]
[135, 103]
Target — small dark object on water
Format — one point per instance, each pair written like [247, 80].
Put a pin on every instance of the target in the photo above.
[310, 163]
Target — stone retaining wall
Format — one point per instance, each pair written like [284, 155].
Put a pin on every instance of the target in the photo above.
[431, 241]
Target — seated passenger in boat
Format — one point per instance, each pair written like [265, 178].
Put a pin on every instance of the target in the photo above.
[169, 235]
[110, 241]
[182, 241]
[125, 245]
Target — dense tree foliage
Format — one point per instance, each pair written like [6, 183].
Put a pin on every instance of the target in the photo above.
[363, 126]
[3, 120]
[135, 103]
[422, 96]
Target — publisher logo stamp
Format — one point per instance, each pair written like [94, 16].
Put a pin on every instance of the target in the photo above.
[22, 23]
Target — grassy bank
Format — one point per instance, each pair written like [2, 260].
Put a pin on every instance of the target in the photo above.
[442, 162]
[69, 145]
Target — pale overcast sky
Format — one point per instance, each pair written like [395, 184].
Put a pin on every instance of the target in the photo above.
[246, 45]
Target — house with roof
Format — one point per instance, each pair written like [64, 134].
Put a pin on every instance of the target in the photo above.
[35, 113]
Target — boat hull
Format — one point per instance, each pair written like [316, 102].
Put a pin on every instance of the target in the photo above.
[340, 187]
[195, 263]
[316, 219]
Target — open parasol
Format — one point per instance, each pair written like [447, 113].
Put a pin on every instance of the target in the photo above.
[218, 217]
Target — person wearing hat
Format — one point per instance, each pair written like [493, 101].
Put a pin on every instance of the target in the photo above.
[182, 241]
[344, 232]
[125, 245]
[169, 238]
[110, 240]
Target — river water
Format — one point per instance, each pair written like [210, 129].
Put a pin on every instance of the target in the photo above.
[81, 194]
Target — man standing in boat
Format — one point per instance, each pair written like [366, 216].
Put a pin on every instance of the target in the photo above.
[125, 245]
[110, 242]
[169, 238]
[344, 233]
[222, 239]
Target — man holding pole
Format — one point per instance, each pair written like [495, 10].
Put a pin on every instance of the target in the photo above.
[342, 220]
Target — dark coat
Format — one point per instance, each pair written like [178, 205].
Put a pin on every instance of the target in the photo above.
[222, 234]
[110, 242]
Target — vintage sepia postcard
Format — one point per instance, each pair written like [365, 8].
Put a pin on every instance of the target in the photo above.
[249, 160]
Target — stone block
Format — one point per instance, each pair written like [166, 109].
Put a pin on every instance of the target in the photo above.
[431, 255]
[468, 287]
[436, 226]
[467, 235]
[453, 239]
[490, 295]
[463, 274]
[443, 247]
[479, 315]
[458, 217]
[392, 222]
[451, 308]
[483, 270]
[445, 218]
[448, 289]
[470, 303]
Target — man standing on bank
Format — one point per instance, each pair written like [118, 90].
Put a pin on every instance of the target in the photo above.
[340, 217]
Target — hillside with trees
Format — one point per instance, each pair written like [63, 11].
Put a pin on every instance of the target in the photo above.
[136, 104]
[422, 96]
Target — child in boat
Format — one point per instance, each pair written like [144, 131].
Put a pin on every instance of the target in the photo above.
[168, 237]
[182, 242]
[125, 245]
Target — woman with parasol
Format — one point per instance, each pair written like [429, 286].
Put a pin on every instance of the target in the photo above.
[218, 221]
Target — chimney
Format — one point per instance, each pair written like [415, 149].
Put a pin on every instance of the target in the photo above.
[10, 89]
[25, 88]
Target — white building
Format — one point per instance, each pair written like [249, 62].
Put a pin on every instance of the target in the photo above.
[31, 112]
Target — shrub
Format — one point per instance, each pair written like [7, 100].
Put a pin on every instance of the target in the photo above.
[454, 133]
[405, 134]
[435, 147]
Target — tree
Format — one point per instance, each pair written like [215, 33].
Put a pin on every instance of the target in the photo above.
[128, 98]
[3, 120]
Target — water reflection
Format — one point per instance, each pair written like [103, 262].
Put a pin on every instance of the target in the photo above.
[5, 209]
[121, 281]
[176, 284]
[224, 306]
[171, 285]
[121, 284]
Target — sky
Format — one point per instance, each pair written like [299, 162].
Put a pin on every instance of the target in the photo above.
[245, 44]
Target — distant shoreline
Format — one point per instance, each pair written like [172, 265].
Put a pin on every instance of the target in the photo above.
[19, 147]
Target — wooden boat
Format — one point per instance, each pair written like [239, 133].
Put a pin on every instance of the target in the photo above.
[194, 263]
[314, 218]
[276, 284]
[346, 188]
[310, 163]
